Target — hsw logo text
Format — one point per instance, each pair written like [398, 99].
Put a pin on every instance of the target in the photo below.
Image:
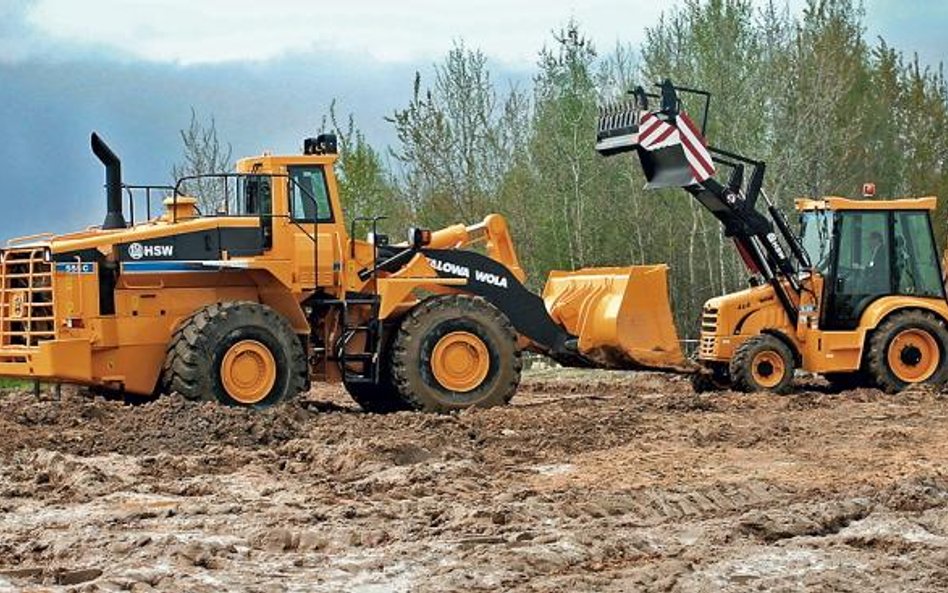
[138, 251]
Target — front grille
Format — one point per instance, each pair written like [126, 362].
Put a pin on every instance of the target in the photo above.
[707, 346]
[26, 297]
[709, 328]
[709, 320]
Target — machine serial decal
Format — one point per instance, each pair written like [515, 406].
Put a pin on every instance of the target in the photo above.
[75, 268]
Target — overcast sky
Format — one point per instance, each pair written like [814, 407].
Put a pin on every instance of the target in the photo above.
[267, 70]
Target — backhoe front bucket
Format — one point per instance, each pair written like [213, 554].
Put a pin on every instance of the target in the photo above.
[622, 316]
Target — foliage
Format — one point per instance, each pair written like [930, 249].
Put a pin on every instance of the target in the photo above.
[824, 107]
[204, 154]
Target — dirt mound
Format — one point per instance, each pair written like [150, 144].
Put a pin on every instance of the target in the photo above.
[85, 425]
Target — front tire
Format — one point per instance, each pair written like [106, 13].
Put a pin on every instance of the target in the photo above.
[237, 353]
[762, 363]
[908, 348]
[455, 352]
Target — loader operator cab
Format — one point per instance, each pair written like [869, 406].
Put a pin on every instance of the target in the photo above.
[866, 250]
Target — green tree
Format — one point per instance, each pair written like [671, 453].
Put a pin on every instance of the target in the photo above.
[451, 141]
[366, 186]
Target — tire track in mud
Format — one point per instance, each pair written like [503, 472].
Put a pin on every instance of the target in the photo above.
[605, 482]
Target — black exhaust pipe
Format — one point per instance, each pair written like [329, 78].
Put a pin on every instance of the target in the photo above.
[113, 183]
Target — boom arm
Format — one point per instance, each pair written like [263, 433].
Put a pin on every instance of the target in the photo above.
[674, 154]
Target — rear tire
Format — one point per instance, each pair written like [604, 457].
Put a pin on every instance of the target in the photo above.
[237, 353]
[762, 363]
[455, 352]
[907, 348]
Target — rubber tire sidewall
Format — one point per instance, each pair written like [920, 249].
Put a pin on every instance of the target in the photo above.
[433, 319]
[277, 350]
[740, 366]
[877, 357]
[193, 367]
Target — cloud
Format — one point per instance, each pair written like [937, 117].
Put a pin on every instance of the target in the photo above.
[189, 32]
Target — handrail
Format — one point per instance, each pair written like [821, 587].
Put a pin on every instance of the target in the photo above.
[131, 188]
[28, 238]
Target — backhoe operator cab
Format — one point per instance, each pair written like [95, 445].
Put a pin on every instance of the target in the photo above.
[872, 307]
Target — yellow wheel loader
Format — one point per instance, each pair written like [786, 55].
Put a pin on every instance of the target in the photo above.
[249, 304]
[857, 295]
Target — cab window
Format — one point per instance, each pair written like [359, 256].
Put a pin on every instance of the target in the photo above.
[256, 197]
[915, 263]
[309, 196]
[863, 266]
[816, 229]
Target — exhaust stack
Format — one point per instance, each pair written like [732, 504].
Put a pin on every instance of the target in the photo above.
[113, 183]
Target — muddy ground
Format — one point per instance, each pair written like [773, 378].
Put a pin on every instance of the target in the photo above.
[588, 482]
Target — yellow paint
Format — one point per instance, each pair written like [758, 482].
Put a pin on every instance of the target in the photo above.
[460, 361]
[622, 316]
[248, 372]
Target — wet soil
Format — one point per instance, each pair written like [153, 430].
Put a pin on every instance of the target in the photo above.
[590, 481]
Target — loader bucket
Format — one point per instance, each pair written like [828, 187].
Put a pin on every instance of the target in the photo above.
[621, 316]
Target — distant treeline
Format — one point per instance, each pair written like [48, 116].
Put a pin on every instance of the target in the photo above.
[826, 109]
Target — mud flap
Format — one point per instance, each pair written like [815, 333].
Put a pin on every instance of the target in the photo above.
[621, 316]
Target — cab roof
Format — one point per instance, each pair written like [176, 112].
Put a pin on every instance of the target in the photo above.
[838, 203]
[271, 162]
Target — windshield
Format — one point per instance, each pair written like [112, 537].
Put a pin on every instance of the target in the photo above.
[816, 228]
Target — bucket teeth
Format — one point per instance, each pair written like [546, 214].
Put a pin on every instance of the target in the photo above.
[617, 117]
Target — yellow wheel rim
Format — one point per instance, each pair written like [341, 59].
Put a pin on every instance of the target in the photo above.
[913, 355]
[460, 361]
[248, 372]
[768, 369]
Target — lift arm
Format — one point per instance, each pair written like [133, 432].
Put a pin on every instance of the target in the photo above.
[673, 153]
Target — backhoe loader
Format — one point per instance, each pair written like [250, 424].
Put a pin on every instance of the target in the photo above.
[857, 295]
[249, 304]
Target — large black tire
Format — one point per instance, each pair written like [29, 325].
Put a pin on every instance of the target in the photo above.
[381, 398]
[908, 347]
[193, 366]
[762, 363]
[469, 324]
[713, 378]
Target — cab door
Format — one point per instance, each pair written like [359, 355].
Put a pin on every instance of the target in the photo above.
[314, 227]
[877, 254]
[861, 271]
